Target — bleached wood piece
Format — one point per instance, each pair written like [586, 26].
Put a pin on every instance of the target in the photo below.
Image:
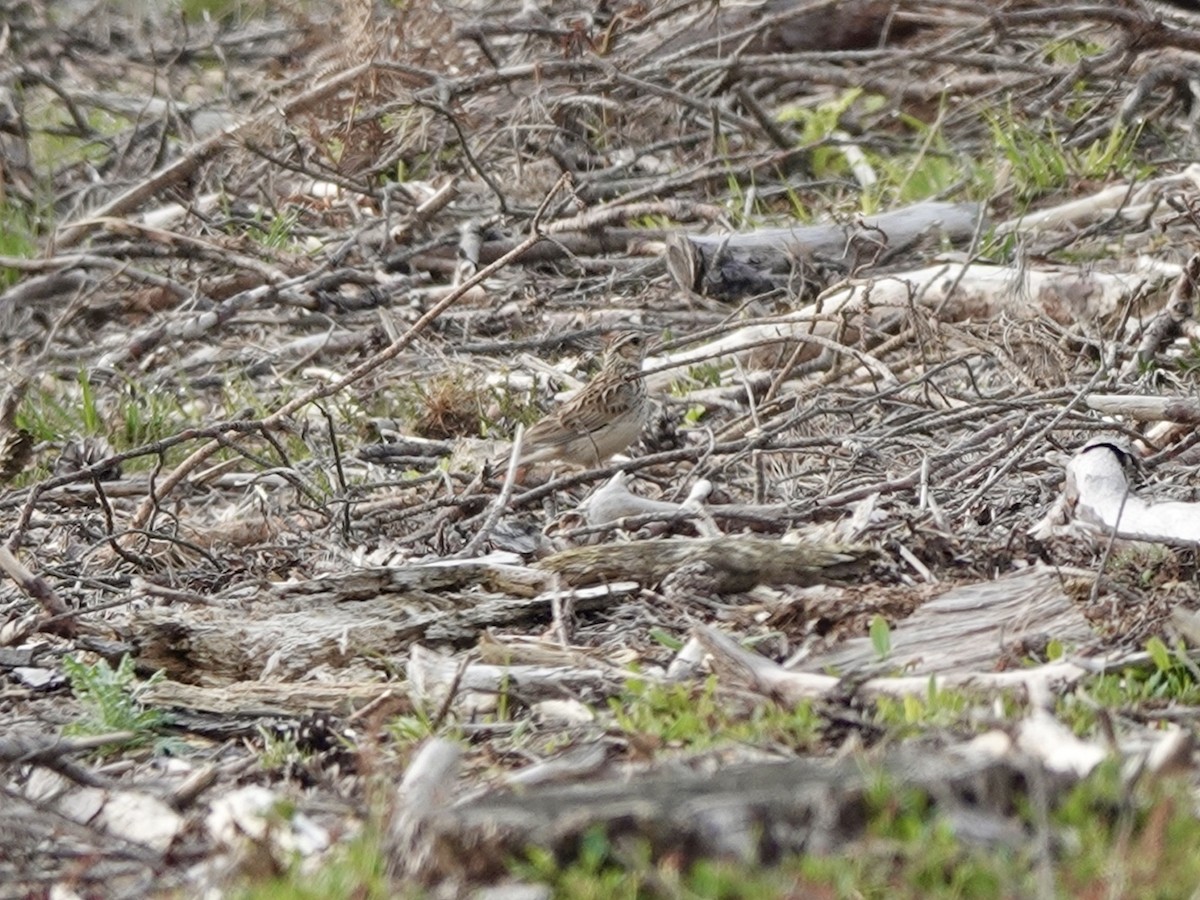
[247, 822]
[1098, 496]
[266, 698]
[899, 227]
[1133, 202]
[733, 563]
[957, 291]
[1144, 408]
[727, 266]
[282, 638]
[431, 675]
[425, 789]
[766, 677]
[747, 811]
[968, 628]
[615, 501]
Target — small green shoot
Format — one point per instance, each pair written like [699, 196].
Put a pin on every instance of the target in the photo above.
[666, 639]
[817, 127]
[1159, 654]
[92, 423]
[933, 168]
[279, 752]
[705, 374]
[881, 637]
[411, 729]
[146, 414]
[279, 232]
[221, 10]
[1069, 51]
[940, 708]
[694, 414]
[1169, 680]
[593, 875]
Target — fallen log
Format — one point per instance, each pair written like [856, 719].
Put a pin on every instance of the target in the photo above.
[728, 266]
[724, 564]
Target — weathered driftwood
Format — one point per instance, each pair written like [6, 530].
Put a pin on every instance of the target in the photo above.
[282, 639]
[733, 265]
[1155, 408]
[432, 675]
[955, 291]
[37, 588]
[614, 501]
[737, 666]
[609, 240]
[268, 698]
[892, 229]
[497, 571]
[1098, 499]
[725, 564]
[1131, 202]
[24, 749]
[1168, 322]
[973, 627]
[960, 638]
[427, 786]
[752, 812]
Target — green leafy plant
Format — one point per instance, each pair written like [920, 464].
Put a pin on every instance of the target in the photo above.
[411, 729]
[935, 167]
[696, 717]
[63, 412]
[1170, 678]
[1159, 654]
[92, 422]
[16, 239]
[592, 875]
[1070, 51]
[1055, 650]
[694, 414]
[222, 10]
[666, 639]
[1041, 160]
[355, 870]
[941, 708]
[1141, 838]
[146, 414]
[817, 126]
[912, 852]
[110, 702]
[705, 374]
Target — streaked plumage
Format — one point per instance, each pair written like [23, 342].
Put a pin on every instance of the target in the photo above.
[604, 418]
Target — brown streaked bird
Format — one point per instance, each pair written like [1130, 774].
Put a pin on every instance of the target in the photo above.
[604, 418]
